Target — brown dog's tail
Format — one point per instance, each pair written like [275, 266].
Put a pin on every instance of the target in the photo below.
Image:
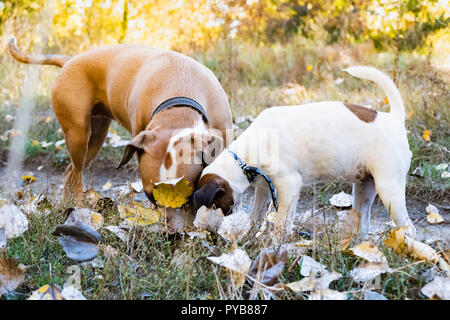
[48, 59]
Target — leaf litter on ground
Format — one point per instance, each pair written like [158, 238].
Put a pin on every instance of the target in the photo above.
[11, 275]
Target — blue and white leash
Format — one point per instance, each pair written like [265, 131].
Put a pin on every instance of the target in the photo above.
[252, 172]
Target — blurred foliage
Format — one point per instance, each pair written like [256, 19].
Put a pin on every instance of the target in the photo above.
[189, 26]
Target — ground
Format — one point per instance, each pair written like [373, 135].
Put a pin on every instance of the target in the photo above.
[173, 253]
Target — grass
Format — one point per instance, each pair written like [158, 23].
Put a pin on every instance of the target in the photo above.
[258, 77]
[153, 266]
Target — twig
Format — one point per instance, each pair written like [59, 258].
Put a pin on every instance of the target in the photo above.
[294, 262]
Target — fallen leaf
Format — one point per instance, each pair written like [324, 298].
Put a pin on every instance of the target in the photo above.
[71, 293]
[348, 223]
[137, 186]
[310, 267]
[119, 232]
[268, 266]
[13, 220]
[208, 219]
[341, 200]
[235, 226]
[433, 216]
[369, 252]
[173, 193]
[445, 174]
[107, 186]
[237, 261]
[426, 135]
[327, 294]
[11, 275]
[86, 216]
[403, 244]
[372, 295]
[366, 271]
[439, 287]
[312, 283]
[79, 241]
[138, 214]
[91, 196]
[442, 166]
[47, 292]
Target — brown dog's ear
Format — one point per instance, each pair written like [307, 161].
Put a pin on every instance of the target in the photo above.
[141, 141]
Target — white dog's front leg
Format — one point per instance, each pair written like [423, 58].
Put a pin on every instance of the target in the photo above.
[392, 193]
[288, 189]
[261, 195]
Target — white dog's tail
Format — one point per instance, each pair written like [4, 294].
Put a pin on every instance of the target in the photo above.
[380, 78]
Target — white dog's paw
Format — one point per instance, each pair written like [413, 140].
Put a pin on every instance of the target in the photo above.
[411, 230]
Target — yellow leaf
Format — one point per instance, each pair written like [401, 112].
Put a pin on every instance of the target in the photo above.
[35, 143]
[396, 240]
[368, 251]
[172, 195]
[426, 135]
[96, 219]
[403, 244]
[28, 179]
[434, 218]
[309, 68]
[43, 289]
[138, 214]
[385, 101]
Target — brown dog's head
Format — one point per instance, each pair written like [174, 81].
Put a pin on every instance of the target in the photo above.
[169, 154]
[213, 190]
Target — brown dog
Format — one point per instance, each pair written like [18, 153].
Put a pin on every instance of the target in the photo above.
[127, 83]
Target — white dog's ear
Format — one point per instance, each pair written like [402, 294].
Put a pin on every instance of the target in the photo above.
[142, 141]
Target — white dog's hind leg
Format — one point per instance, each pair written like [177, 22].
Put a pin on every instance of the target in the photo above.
[363, 195]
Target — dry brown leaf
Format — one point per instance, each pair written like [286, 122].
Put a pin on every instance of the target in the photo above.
[13, 220]
[47, 292]
[327, 294]
[86, 216]
[341, 200]
[439, 287]
[234, 226]
[368, 251]
[238, 262]
[313, 284]
[208, 219]
[268, 266]
[403, 244]
[11, 275]
[310, 267]
[368, 271]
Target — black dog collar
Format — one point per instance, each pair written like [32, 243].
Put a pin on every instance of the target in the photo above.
[252, 172]
[181, 102]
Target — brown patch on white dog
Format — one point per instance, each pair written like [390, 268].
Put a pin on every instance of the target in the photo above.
[363, 113]
[212, 189]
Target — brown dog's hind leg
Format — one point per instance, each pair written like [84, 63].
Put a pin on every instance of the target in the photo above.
[72, 108]
[99, 131]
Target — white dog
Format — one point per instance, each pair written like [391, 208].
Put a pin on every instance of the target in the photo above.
[317, 142]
